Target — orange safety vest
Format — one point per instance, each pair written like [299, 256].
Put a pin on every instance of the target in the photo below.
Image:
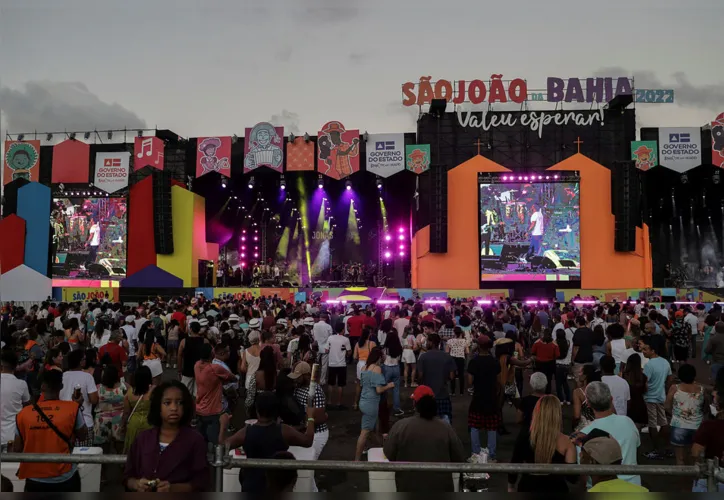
[38, 437]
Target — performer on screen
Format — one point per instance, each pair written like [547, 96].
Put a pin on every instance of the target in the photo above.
[94, 241]
[490, 220]
[536, 231]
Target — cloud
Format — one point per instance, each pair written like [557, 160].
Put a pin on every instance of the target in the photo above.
[289, 120]
[48, 106]
[705, 97]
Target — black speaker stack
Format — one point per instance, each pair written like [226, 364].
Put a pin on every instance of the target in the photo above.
[626, 201]
[438, 209]
[162, 217]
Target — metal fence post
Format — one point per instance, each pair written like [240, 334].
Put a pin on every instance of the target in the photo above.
[218, 465]
[711, 482]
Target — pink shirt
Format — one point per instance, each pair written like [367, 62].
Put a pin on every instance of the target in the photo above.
[209, 381]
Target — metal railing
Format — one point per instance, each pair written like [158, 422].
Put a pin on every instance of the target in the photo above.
[219, 460]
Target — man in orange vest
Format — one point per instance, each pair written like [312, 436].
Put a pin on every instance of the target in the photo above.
[50, 426]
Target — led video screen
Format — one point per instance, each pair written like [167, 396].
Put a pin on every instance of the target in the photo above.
[529, 230]
[89, 238]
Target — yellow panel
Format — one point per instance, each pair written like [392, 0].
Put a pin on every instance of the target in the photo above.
[181, 262]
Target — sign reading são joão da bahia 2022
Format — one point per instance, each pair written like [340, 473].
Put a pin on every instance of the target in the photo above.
[497, 90]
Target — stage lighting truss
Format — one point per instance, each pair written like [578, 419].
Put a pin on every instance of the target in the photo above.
[528, 177]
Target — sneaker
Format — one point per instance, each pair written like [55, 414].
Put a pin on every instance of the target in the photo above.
[399, 413]
[405, 385]
[654, 455]
[414, 384]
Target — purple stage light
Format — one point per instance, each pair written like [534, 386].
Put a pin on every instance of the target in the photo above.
[243, 255]
[243, 247]
[283, 186]
[555, 176]
[243, 231]
[256, 255]
[388, 255]
[335, 302]
[682, 303]
[525, 178]
[388, 237]
[484, 302]
[435, 301]
[540, 177]
[536, 301]
[402, 254]
[320, 186]
[243, 264]
[401, 230]
[583, 302]
[256, 238]
[401, 237]
[505, 177]
[388, 301]
[243, 238]
[348, 187]
[402, 247]
[520, 177]
[548, 177]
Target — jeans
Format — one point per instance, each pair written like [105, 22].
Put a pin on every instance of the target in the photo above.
[460, 364]
[547, 368]
[69, 486]
[492, 442]
[535, 243]
[209, 427]
[392, 374]
[700, 486]
[563, 390]
[715, 367]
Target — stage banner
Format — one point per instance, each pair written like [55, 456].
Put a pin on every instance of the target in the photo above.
[717, 141]
[337, 150]
[85, 294]
[300, 155]
[680, 148]
[213, 154]
[71, 162]
[645, 154]
[417, 158]
[263, 147]
[385, 154]
[21, 161]
[148, 152]
[112, 171]
[237, 293]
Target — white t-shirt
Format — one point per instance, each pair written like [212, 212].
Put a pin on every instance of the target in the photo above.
[693, 323]
[339, 346]
[87, 386]
[620, 392]
[131, 335]
[321, 331]
[569, 354]
[100, 342]
[13, 393]
[628, 352]
[537, 217]
[95, 233]
[400, 324]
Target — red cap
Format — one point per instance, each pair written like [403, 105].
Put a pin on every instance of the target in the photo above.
[421, 392]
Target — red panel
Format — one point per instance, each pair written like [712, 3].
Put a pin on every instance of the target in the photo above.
[71, 162]
[12, 243]
[141, 249]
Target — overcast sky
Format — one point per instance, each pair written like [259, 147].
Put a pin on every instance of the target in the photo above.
[217, 66]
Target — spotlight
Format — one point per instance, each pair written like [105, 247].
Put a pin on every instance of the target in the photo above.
[401, 237]
[223, 182]
[243, 238]
[348, 185]
[109, 135]
[140, 133]
[283, 183]
[243, 255]
[402, 254]
[86, 136]
[388, 255]
[306, 137]
[21, 137]
[401, 230]
[402, 247]
[234, 139]
[555, 176]
[540, 177]
[684, 178]
[292, 138]
[72, 135]
[715, 178]
[251, 182]
[379, 183]
[49, 137]
[236, 197]
[320, 182]
[388, 237]
[256, 255]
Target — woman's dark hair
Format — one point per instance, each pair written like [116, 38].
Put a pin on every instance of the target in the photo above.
[268, 366]
[598, 336]
[364, 337]
[632, 372]
[615, 331]
[393, 345]
[267, 405]
[562, 343]
[458, 332]
[547, 337]
[73, 324]
[386, 325]
[426, 407]
[449, 323]
[305, 343]
[142, 380]
[110, 376]
[498, 326]
[285, 385]
[100, 327]
[154, 412]
[710, 320]
[590, 374]
[687, 373]
[374, 356]
[465, 321]
[51, 354]
[149, 340]
[91, 355]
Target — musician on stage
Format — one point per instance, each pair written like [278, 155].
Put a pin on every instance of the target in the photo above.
[490, 221]
[536, 231]
[94, 241]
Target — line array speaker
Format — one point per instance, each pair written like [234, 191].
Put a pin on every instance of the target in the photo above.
[438, 209]
[162, 218]
[626, 204]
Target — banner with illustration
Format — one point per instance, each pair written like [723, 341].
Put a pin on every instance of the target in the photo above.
[111, 172]
[717, 141]
[385, 154]
[680, 148]
[417, 158]
[148, 152]
[300, 155]
[21, 161]
[263, 147]
[213, 154]
[337, 151]
[645, 154]
[87, 294]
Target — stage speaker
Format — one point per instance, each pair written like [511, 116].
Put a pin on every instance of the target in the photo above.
[668, 299]
[10, 196]
[162, 218]
[626, 204]
[438, 209]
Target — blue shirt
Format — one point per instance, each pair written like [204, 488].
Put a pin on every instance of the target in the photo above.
[624, 431]
[657, 370]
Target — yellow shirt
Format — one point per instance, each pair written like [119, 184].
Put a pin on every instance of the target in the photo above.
[617, 486]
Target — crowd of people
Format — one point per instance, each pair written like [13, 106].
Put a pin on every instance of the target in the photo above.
[161, 380]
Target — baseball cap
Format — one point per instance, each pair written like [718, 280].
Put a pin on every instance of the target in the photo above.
[254, 324]
[421, 392]
[204, 322]
[308, 321]
[130, 319]
[302, 368]
[603, 450]
[233, 317]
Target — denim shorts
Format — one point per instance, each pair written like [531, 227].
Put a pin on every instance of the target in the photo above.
[682, 437]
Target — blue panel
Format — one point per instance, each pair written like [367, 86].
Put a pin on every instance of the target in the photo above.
[34, 207]
[405, 293]
[57, 294]
[300, 296]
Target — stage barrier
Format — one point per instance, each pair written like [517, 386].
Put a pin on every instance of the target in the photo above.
[219, 460]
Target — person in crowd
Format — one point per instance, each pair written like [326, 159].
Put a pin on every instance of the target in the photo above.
[709, 323]
[222, 352]
[109, 414]
[546, 352]
[391, 368]
[686, 402]
[436, 368]
[14, 395]
[250, 359]
[457, 347]
[424, 438]
[373, 385]
[582, 412]
[621, 428]
[564, 340]
[410, 348]
[302, 374]
[210, 379]
[484, 412]
[50, 426]
[170, 456]
[150, 352]
[116, 354]
[715, 348]
[616, 345]
[680, 338]
[77, 382]
[101, 334]
[264, 439]
[136, 407]
[360, 354]
[321, 331]
[189, 353]
[53, 360]
[620, 389]
[637, 381]
[606, 451]
[709, 439]
[538, 383]
[543, 444]
[172, 344]
[582, 347]
[658, 373]
[280, 481]
[339, 350]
